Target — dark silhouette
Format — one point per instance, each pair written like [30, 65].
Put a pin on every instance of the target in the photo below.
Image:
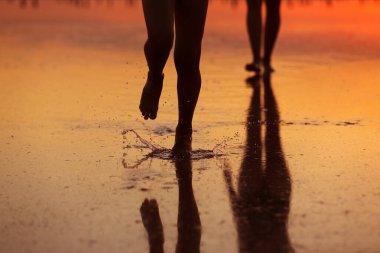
[150, 216]
[254, 26]
[189, 17]
[261, 204]
[188, 224]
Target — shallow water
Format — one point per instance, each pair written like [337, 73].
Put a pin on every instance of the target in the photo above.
[290, 163]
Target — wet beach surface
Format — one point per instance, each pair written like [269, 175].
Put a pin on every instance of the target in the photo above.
[288, 163]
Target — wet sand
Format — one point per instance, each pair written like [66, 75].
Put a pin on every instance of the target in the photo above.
[281, 165]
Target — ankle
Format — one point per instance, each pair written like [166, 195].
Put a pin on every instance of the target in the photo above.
[155, 76]
[256, 61]
[184, 129]
[266, 61]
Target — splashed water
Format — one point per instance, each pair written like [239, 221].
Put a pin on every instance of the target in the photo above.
[146, 144]
[138, 150]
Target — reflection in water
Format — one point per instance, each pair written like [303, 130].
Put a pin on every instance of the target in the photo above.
[150, 216]
[188, 224]
[261, 204]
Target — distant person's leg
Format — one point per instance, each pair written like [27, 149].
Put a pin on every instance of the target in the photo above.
[254, 24]
[272, 28]
[190, 17]
[159, 19]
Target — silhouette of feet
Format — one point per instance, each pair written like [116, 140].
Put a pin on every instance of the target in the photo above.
[150, 96]
[150, 216]
[267, 68]
[182, 146]
[255, 67]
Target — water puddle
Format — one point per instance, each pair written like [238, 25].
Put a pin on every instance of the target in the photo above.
[137, 150]
[308, 122]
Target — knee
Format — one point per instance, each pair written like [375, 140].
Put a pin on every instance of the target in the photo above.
[255, 4]
[273, 7]
[273, 16]
[187, 62]
[162, 41]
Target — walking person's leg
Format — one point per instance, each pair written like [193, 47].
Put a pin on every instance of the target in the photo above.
[272, 28]
[254, 24]
[190, 17]
[159, 19]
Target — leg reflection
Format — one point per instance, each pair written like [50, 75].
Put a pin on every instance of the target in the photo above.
[150, 216]
[261, 204]
[278, 183]
[188, 224]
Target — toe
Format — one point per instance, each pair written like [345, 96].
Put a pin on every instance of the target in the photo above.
[153, 115]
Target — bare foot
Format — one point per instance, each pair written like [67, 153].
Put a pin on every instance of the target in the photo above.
[255, 67]
[182, 146]
[150, 96]
[268, 69]
[150, 216]
[267, 66]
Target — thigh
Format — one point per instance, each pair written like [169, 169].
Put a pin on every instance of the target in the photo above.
[254, 3]
[190, 18]
[159, 16]
[273, 5]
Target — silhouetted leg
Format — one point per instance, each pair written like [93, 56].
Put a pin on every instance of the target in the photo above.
[189, 223]
[190, 16]
[159, 19]
[272, 28]
[150, 216]
[254, 32]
